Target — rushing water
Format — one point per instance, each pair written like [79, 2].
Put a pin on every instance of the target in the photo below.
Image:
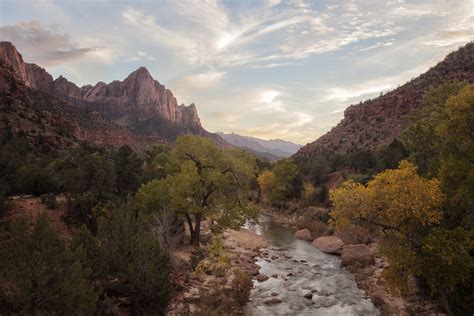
[299, 269]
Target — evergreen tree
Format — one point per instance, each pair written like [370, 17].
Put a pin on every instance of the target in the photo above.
[40, 274]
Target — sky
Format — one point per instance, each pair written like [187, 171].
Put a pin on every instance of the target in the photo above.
[268, 69]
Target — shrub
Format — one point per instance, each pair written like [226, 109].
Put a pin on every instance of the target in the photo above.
[131, 255]
[241, 286]
[40, 274]
[353, 234]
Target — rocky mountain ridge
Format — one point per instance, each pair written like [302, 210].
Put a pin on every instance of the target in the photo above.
[376, 122]
[139, 103]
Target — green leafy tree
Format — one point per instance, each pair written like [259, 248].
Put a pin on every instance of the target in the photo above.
[456, 166]
[391, 155]
[159, 162]
[40, 274]
[211, 183]
[446, 261]
[421, 139]
[279, 184]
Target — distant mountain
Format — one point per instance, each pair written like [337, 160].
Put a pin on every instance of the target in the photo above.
[139, 104]
[375, 122]
[274, 148]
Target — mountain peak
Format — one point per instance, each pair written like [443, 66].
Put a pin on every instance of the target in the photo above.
[140, 74]
[10, 55]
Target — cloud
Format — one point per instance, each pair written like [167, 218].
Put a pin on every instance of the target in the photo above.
[147, 56]
[46, 46]
[199, 81]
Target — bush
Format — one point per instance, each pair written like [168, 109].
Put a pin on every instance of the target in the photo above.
[132, 256]
[352, 235]
[40, 274]
[241, 286]
[216, 304]
[196, 258]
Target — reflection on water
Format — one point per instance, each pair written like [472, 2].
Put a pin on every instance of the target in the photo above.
[305, 280]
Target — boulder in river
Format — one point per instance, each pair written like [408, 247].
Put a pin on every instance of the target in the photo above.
[303, 234]
[329, 244]
[361, 255]
[261, 277]
[273, 301]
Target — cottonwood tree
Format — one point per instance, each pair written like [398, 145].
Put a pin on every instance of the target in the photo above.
[397, 204]
[211, 183]
[279, 184]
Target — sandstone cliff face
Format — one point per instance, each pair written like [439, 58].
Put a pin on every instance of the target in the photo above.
[373, 123]
[46, 119]
[136, 99]
[10, 56]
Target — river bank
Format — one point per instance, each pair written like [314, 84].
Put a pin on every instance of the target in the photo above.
[297, 279]
[208, 294]
[371, 279]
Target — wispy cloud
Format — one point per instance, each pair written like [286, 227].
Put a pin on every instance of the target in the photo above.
[267, 68]
[47, 46]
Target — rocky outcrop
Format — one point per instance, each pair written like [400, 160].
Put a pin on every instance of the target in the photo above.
[329, 244]
[10, 56]
[139, 103]
[357, 255]
[303, 234]
[39, 78]
[375, 122]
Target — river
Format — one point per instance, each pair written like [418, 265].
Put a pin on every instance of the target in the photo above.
[296, 270]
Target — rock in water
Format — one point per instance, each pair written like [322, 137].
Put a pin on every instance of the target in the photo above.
[261, 277]
[357, 255]
[329, 244]
[303, 234]
[273, 301]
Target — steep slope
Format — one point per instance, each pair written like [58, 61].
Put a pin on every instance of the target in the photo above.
[376, 122]
[46, 120]
[139, 103]
[274, 148]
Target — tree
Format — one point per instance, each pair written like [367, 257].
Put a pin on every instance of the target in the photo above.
[421, 139]
[446, 261]
[279, 184]
[128, 167]
[397, 204]
[126, 252]
[211, 183]
[40, 274]
[159, 162]
[456, 148]
[315, 169]
[392, 154]
[88, 178]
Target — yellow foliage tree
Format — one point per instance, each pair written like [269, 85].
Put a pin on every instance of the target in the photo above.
[395, 201]
[397, 204]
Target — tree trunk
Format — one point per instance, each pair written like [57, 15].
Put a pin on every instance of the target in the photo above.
[445, 300]
[197, 230]
[191, 230]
